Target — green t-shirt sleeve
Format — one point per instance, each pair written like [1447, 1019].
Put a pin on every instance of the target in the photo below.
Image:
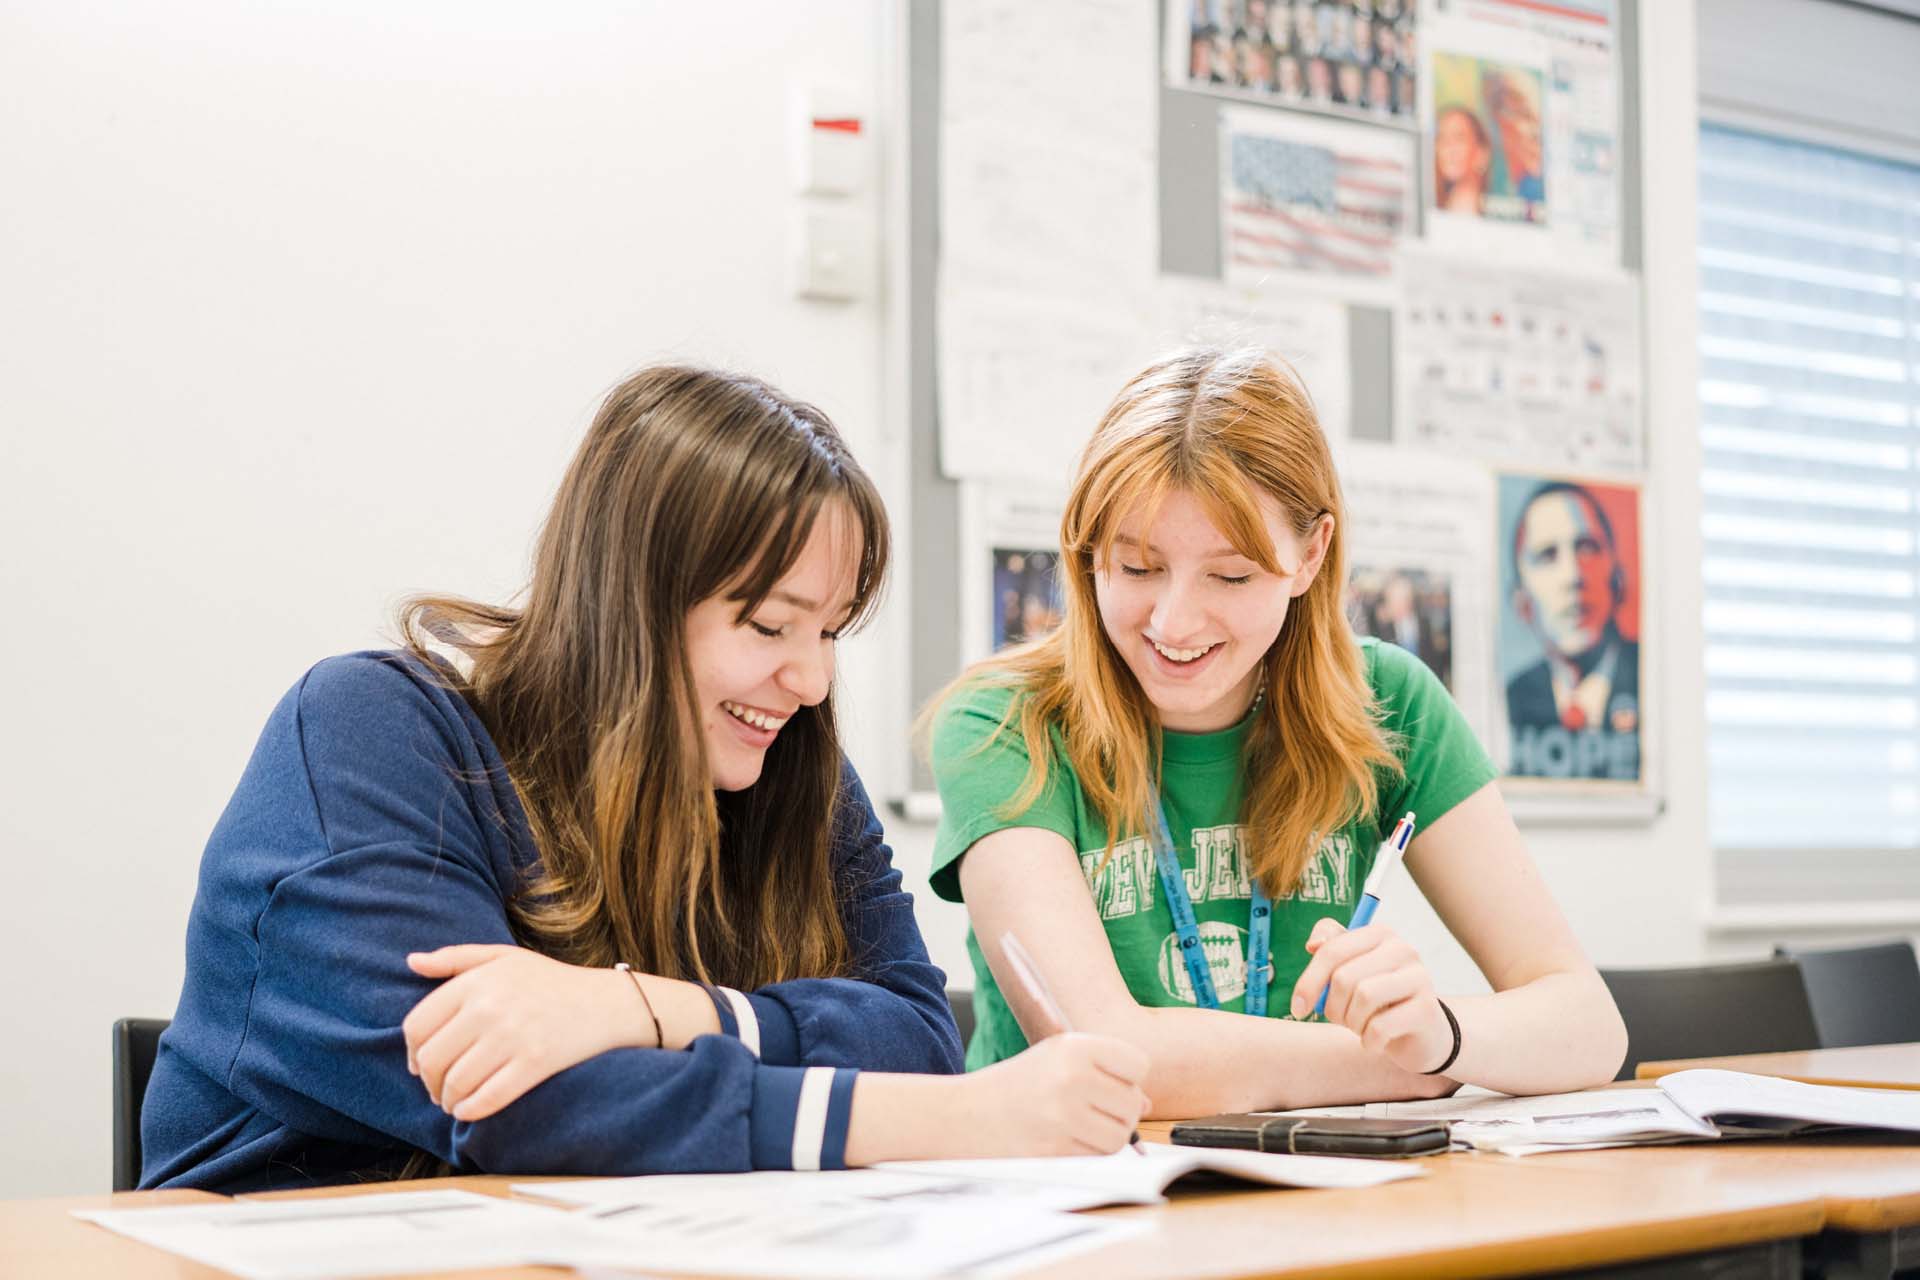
[978, 772]
[1444, 762]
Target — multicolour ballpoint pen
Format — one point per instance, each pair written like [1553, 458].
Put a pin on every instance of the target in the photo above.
[1383, 864]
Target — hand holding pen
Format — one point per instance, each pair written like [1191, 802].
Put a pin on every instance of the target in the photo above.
[1027, 975]
[1371, 981]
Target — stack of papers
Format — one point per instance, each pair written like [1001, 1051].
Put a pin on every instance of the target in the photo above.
[1687, 1106]
[1061, 1183]
[389, 1233]
[941, 1218]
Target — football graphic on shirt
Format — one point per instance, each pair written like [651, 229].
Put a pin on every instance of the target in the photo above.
[1225, 946]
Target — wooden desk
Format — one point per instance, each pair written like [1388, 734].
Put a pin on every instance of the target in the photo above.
[1870, 1187]
[1852, 1205]
[1878, 1066]
[1473, 1216]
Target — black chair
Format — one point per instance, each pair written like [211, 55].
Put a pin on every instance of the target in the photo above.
[135, 1041]
[1861, 995]
[962, 1001]
[1710, 1011]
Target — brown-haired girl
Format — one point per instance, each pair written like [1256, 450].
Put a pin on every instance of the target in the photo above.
[1203, 754]
[597, 894]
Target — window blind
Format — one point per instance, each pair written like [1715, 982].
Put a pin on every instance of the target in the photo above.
[1809, 360]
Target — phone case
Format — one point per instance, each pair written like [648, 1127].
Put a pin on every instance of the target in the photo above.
[1316, 1135]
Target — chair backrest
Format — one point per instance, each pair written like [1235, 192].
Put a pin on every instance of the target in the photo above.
[1862, 995]
[135, 1041]
[962, 1001]
[1709, 1011]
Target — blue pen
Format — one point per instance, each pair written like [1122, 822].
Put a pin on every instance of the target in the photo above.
[1383, 864]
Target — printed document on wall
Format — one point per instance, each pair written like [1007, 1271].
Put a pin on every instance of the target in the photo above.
[1309, 333]
[1519, 367]
[1047, 158]
[1418, 553]
[1522, 118]
[1024, 379]
[1049, 230]
[1314, 204]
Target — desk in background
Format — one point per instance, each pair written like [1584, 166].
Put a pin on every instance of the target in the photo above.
[1876, 1066]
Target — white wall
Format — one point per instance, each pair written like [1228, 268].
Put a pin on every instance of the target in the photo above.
[302, 308]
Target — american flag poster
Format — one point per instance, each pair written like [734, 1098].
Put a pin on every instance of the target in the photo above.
[1314, 203]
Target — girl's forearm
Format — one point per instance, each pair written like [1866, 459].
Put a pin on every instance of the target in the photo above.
[684, 1009]
[1557, 1034]
[1206, 1062]
[904, 1117]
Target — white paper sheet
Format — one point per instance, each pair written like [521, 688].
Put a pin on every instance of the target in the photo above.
[1521, 368]
[380, 1234]
[776, 1188]
[1547, 1122]
[1692, 1104]
[841, 1241]
[1308, 332]
[1025, 379]
[1046, 152]
[1714, 1093]
[1059, 1184]
[1313, 204]
[1128, 1177]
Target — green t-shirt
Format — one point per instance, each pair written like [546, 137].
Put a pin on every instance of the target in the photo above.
[1203, 784]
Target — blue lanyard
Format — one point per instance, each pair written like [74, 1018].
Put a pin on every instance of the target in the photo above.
[1259, 926]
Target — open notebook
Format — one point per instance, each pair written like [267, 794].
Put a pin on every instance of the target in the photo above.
[1061, 1183]
[1696, 1105]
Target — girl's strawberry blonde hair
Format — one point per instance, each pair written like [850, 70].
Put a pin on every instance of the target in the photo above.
[1226, 426]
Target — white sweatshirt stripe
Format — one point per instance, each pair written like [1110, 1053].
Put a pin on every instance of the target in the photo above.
[744, 1015]
[810, 1117]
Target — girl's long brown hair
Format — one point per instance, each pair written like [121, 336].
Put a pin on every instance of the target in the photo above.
[1225, 426]
[690, 483]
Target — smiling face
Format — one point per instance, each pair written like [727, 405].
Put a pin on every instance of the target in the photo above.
[1519, 124]
[750, 676]
[1567, 573]
[1459, 148]
[1192, 616]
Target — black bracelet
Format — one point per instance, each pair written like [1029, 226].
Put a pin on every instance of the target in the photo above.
[659, 1036]
[1455, 1024]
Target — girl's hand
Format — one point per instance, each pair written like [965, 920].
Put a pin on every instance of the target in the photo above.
[508, 1019]
[1069, 1095]
[1378, 989]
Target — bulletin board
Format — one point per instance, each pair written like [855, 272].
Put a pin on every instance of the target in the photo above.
[1428, 207]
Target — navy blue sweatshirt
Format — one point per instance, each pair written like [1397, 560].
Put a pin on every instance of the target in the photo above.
[374, 819]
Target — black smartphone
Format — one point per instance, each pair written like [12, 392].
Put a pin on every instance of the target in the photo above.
[1317, 1135]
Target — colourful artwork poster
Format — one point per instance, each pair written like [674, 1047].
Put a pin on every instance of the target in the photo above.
[1568, 643]
[1521, 117]
[1488, 157]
